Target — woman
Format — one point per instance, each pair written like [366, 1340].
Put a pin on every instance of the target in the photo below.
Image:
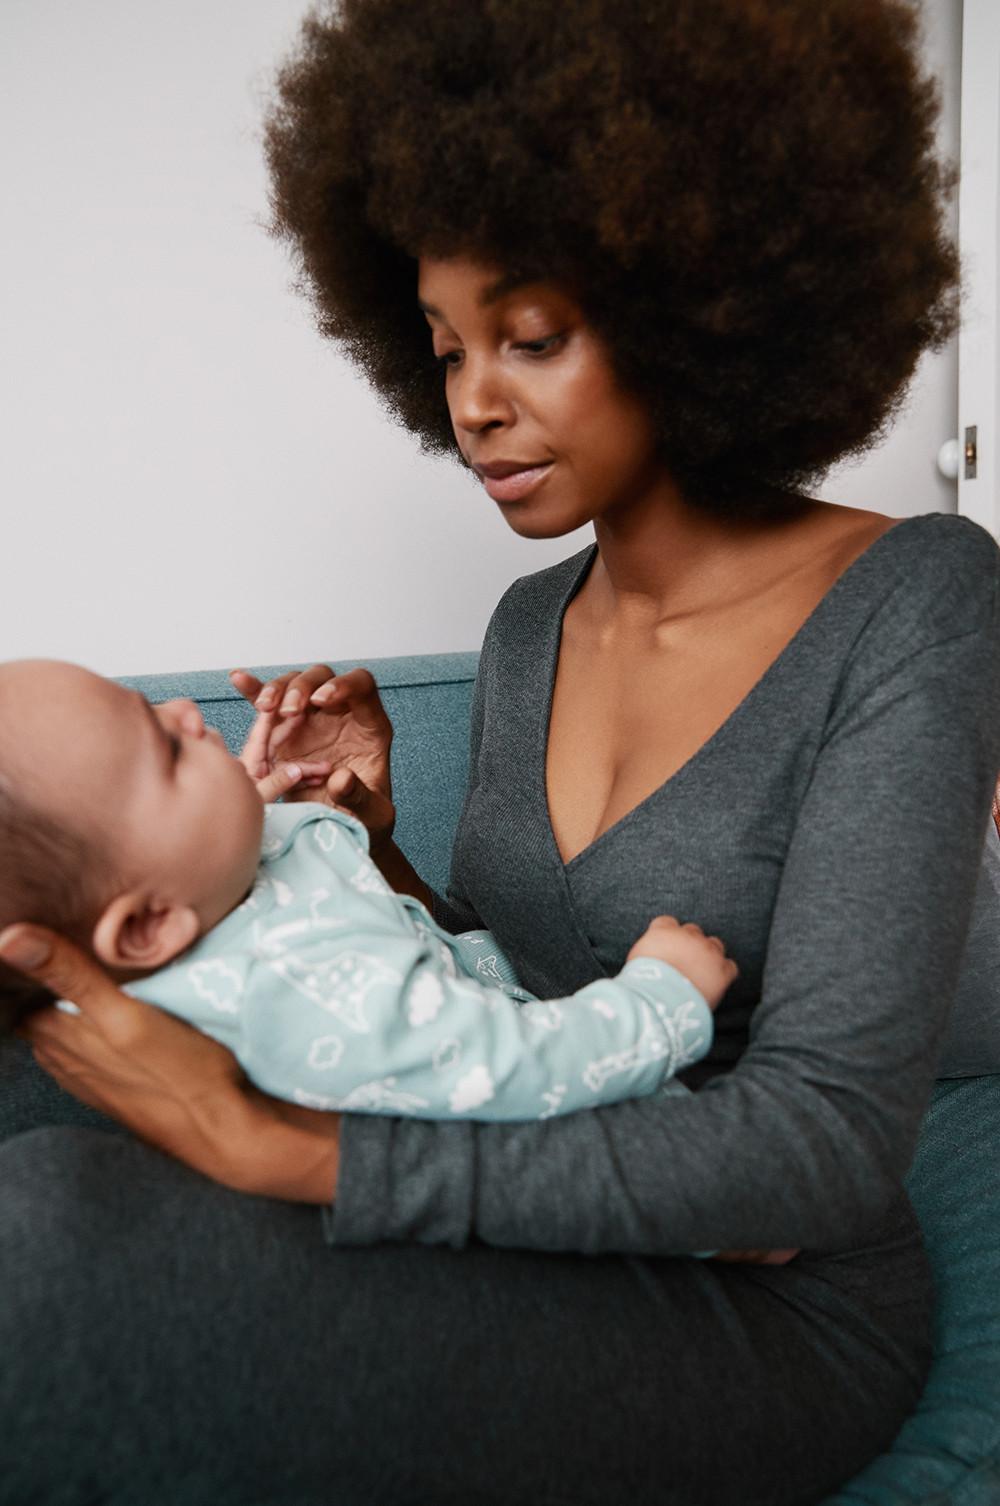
[675, 260]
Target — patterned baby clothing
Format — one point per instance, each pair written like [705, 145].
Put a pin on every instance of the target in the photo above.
[337, 993]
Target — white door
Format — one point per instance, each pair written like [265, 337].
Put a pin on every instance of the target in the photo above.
[979, 233]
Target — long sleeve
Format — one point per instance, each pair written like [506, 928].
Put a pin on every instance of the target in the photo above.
[370, 1019]
[806, 1140]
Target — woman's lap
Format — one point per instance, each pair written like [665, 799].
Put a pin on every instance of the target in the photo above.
[179, 1343]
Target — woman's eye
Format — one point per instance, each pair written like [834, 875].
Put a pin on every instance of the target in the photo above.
[532, 347]
[539, 347]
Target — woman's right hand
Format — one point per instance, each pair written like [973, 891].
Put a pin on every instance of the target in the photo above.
[321, 718]
[172, 1086]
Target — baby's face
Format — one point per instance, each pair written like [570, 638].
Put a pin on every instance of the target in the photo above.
[152, 787]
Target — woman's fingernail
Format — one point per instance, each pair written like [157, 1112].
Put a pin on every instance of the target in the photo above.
[324, 693]
[292, 701]
[265, 700]
[293, 771]
[25, 951]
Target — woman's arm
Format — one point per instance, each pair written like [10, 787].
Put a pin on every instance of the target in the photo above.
[807, 1140]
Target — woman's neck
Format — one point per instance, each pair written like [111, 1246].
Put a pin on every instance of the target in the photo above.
[661, 560]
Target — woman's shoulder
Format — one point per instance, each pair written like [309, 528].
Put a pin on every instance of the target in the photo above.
[933, 576]
[533, 601]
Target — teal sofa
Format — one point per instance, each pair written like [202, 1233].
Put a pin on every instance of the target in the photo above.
[948, 1453]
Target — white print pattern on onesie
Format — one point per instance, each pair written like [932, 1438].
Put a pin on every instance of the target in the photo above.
[475, 1088]
[340, 985]
[325, 1052]
[218, 984]
[326, 835]
[425, 1000]
[373, 1097]
[368, 880]
[684, 1022]
[552, 1098]
[545, 1013]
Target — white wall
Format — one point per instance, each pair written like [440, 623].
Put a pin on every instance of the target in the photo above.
[190, 477]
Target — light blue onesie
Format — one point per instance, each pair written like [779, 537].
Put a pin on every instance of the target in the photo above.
[335, 992]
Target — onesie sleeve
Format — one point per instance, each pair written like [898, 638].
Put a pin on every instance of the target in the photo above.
[374, 1020]
[805, 1142]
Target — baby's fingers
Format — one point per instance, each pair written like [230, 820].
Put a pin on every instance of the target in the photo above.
[254, 753]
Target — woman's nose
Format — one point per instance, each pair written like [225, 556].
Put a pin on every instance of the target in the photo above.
[478, 396]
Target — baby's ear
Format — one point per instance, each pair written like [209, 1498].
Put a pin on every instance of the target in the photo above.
[137, 930]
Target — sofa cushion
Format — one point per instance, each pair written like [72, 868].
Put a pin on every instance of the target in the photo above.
[948, 1452]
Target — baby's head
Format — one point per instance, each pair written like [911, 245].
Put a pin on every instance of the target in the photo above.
[128, 827]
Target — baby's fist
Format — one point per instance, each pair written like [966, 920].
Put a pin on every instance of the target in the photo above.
[702, 959]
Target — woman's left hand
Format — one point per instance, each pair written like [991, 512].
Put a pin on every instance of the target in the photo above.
[172, 1086]
[338, 737]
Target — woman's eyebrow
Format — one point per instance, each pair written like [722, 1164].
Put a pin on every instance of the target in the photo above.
[505, 284]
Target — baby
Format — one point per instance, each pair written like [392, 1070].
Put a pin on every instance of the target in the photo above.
[132, 829]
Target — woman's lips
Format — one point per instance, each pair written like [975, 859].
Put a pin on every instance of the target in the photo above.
[512, 488]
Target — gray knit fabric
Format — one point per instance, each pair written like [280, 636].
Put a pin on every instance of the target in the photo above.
[830, 831]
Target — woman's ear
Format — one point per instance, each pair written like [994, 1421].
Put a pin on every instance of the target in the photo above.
[139, 931]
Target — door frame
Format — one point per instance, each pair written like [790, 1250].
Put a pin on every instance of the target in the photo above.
[979, 234]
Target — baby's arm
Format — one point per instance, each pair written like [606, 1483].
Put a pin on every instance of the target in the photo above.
[377, 1021]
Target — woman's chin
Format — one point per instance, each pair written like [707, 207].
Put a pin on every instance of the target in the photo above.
[539, 522]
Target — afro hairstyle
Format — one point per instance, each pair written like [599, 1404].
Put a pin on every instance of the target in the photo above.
[744, 195]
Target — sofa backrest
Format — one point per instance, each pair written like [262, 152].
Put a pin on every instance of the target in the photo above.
[427, 698]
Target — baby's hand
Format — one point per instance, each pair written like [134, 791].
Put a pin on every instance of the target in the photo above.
[701, 958]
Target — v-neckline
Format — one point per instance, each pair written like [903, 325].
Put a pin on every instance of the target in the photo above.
[701, 752]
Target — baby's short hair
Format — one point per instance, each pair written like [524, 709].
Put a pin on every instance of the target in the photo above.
[49, 874]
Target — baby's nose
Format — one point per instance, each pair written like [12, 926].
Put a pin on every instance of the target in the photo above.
[189, 717]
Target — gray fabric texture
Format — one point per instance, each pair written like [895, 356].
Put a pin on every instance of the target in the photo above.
[830, 831]
[972, 1041]
[167, 1342]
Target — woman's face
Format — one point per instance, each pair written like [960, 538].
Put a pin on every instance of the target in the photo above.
[528, 381]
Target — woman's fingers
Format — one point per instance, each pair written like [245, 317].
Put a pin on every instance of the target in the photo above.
[247, 684]
[349, 793]
[356, 689]
[295, 690]
[62, 968]
[284, 694]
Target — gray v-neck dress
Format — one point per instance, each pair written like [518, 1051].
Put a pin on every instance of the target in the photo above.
[830, 831]
[492, 1321]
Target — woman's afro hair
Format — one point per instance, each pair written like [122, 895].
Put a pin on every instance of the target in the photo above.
[743, 194]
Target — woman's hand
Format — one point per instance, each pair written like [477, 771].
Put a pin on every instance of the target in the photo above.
[173, 1087]
[334, 727]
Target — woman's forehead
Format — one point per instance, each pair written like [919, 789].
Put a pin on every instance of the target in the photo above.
[481, 286]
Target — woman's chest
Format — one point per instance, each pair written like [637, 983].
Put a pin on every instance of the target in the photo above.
[631, 709]
[626, 718]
